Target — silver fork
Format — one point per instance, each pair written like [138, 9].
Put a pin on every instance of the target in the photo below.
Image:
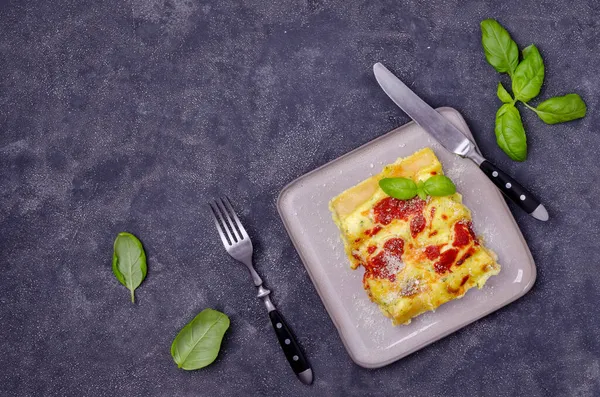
[238, 245]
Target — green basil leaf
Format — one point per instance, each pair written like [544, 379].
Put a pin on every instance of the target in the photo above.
[400, 188]
[503, 95]
[421, 190]
[439, 185]
[500, 50]
[198, 343]
[510, 133]
[129, 261]
[561, 108]
[529, 75]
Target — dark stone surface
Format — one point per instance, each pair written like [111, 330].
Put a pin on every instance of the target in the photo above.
[130, 115]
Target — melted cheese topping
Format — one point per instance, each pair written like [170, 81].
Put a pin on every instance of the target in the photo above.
[417, 254]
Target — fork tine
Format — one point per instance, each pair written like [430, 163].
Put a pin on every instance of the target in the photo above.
[236, 235]
[237, 220]
[223, 238]
[221, 225]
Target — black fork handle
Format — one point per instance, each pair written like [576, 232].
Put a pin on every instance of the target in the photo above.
[291, 348]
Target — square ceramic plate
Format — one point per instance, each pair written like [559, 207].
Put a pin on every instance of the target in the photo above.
[367, 334]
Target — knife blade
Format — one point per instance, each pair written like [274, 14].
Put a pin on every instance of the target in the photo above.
[454, 140]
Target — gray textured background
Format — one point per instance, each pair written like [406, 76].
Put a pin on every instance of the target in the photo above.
[130, 115]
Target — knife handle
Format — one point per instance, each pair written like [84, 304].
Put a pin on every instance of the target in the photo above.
[514, 191]
[291, 348]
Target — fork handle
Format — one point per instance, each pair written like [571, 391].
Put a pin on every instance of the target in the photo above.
[291, 348]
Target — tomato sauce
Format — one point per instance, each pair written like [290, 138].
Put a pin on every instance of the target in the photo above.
[466, 256]
[394, 246]
[390, 208]
[417, 225]
[378, 266]
[463, 234]
[374, 231]
[446, 260]
[432, 252]
[371, 249]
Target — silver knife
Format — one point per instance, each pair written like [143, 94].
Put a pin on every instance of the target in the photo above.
[453, 140]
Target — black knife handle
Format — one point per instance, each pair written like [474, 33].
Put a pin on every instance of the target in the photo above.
[514, 191]
[291, 348]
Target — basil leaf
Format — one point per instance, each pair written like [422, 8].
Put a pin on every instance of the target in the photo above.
[400, 188]
[503, 95]
[198, 343]
[510, 134]
[561, 108]
[529, 75]
[129, 261]
[421, 190]
[500, 50]
[439, 185]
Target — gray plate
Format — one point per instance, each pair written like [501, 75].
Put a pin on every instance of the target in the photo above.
[369, 337]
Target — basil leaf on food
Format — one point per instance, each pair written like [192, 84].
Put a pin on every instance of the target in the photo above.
[198, 343]
[421, 190]
[510, 134]
[439, 185]
[561, 108]
[400, 188]
[500, 50]
[503, 95]
[529, 76]
[129, 261]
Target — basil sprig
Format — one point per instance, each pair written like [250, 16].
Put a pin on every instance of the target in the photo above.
[405, 189]
[527, 79]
